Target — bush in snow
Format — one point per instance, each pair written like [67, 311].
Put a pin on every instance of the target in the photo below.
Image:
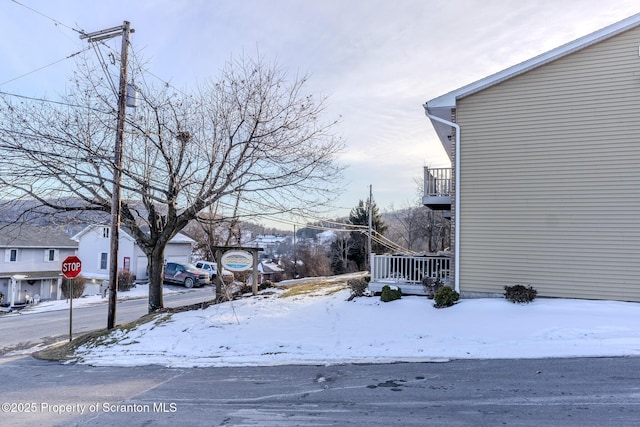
[390, 293]
[358, 287]
[265, 285]
[125, 280]
[78, 286]
[520, 293]
[431, 286]
[445, 297]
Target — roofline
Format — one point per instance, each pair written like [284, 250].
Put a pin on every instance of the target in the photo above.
[449, 99]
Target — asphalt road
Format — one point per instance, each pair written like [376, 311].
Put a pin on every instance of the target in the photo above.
[21, 331]
[543, 392]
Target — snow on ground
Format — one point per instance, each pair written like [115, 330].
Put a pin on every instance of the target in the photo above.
[325, 328]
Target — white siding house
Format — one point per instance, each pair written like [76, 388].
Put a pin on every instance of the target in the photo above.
[30, 262]
[94, 252]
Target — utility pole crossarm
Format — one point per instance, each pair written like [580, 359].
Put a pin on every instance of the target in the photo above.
[106, 34]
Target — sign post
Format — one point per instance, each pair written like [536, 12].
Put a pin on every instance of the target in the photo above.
[71, 267]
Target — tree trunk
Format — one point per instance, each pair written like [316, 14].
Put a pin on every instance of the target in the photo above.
[156, 277]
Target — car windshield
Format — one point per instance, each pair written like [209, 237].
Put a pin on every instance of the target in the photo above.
[190, 267]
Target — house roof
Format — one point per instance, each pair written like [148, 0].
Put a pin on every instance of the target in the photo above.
[442, 105]
[269, 267]
[34, 236]
[178, 238]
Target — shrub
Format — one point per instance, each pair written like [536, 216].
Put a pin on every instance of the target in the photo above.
[431, 286]
[240, 276]
[357, 286]
[445, 297]
[390, 293]
[78, 286]
[245, 288]
[1, 297]
[265, 285]
[125, 280]
[520, 293]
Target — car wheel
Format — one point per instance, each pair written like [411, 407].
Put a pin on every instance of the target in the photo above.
[188, 282]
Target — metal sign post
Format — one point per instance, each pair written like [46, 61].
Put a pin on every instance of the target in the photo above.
[71, 268]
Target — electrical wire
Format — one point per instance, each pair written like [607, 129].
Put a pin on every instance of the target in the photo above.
[55, 21]
[43, 67]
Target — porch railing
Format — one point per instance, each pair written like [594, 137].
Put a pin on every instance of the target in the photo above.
[409, 268]
[437, 182]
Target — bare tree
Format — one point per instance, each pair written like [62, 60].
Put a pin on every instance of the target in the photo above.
[418, 228]
[253, 132]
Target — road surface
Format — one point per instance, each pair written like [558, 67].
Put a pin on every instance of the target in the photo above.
[543, 392]
[21, 331]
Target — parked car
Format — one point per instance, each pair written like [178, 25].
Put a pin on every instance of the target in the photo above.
[212, 269]
[185, 274]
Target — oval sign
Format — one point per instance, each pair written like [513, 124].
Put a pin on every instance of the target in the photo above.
[237, 260]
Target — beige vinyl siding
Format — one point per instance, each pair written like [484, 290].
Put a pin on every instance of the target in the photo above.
[550, 177]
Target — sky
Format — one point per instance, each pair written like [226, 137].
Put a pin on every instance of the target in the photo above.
[376, 61]
[322, 327]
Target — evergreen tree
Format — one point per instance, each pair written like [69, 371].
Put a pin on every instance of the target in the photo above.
[358, 238]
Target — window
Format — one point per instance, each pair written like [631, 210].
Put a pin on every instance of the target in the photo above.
[51, 255]
[11, 255]
[105, 232]
[103, 261]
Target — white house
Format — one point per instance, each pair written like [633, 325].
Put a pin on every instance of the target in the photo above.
[30, 262]
[94, 251]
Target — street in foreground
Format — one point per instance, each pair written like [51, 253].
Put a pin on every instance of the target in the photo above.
[531, 392]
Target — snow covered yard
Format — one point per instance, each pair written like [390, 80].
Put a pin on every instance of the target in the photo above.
[322, 327]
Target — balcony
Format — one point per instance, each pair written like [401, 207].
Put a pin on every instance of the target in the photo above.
[437, 188]
[408, 271]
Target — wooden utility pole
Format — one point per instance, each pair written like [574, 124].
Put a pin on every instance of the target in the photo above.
[370, 214]
[114, 235]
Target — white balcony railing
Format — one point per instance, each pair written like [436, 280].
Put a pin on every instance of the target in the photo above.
[437, 182]
[409, 269]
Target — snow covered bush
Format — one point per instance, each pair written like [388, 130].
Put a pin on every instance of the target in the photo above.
[520, 293]
[390, 293]
[445, 297]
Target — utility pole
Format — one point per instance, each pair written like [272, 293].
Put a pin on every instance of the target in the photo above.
[295, 254]
[114, 235]
[370, 224]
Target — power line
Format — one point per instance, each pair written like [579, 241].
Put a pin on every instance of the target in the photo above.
[45, 66]
[50, 101]
[55, 21]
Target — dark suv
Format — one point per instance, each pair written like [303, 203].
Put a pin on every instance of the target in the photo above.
[185, 274]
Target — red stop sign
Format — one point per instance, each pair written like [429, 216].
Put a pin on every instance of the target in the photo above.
[71, 267]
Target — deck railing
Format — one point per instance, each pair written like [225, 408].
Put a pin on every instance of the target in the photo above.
[437, 182]
[409, 268]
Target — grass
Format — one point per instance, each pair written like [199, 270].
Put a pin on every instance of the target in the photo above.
[313, 288]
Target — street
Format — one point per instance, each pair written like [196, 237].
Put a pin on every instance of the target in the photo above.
[22, 331]
[525, 392]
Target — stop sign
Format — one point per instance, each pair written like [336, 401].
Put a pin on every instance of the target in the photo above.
[71, 267]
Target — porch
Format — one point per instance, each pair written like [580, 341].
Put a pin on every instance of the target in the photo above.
[408, 271]
[437, 188]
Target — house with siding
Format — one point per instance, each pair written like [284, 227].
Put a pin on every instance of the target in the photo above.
[94, 246]
[31, 261]
[544, 184]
